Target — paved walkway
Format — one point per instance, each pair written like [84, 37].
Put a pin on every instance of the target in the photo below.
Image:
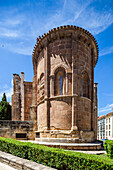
[5, 167]
[92, 152]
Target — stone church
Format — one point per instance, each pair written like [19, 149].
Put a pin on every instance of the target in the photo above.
[62, 99]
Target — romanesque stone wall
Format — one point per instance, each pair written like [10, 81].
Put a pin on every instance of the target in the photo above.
[16, 98]
[95, 115]
[61, 113]
[62, 96]
[10, 129]
[69, 52]
[64, 61]
[60, 53]
[83, 112]
[42, 116]
[33, 111]
[28, 90]
[82, 61]
[21, 98]
[40, 77]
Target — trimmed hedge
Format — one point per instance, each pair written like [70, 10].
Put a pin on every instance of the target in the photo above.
[109, 148]
[56, 158]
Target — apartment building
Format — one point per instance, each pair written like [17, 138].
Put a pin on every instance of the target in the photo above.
[105, 126]
[101, 127]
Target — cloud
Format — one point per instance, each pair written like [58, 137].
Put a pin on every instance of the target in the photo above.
[107, 108]
[82, 13]
[5, 86]
[8, 33]
[107, 50]
[20, 48]
[97, 22]
[25, 24]
[70, 12]
[10, 24]
[8, 92]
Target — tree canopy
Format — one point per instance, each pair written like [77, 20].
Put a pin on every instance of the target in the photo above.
[5, 109]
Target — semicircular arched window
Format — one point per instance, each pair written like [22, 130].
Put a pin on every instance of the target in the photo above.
[60, 84]
[85, 85]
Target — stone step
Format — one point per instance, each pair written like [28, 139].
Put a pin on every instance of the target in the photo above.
[70, 146]
[73, 146]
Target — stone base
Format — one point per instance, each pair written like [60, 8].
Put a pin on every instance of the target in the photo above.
[71, 146]
[63, 136]
[67, 139]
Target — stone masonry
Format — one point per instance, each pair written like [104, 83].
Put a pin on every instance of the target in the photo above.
[17, 129]
[62, 100]
[21, 98]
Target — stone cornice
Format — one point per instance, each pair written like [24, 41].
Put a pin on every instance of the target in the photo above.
[53, 35]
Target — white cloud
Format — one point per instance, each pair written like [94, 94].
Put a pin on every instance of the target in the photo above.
[81, 13]
[10, 25]
[26, 25]
[8, 92]
[105, 51]
[10, 22]
[105, 109]
[70, 12]
[8, 32]
[20, 48]
[95, 21]
[5, 86]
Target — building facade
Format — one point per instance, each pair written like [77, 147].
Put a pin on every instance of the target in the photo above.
[101, 128]
[21, 98]
[105, 126]
[64, 97]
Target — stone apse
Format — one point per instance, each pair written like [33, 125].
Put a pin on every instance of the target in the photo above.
[62, 99]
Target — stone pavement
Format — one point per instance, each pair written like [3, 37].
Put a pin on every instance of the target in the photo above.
[5, 167]
[19, 163]
[92, 152]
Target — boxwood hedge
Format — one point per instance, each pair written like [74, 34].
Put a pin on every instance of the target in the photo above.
[54, 157]
[109, 148]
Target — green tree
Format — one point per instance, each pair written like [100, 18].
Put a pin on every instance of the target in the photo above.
[4, 97]
[5, 109]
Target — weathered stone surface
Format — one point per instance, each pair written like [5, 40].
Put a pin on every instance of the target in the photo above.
[62, 95]
[21, 98]
[9, 129]
[70, 146]
[68, 55]
[5, 167]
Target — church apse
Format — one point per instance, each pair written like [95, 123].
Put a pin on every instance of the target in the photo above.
[64, 61]
[62, 98]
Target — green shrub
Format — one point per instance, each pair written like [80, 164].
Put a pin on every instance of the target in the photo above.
[5, 109]
[109, 148]
[54, 157]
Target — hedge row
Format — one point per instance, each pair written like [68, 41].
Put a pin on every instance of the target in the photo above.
[56, 158]
[109, 148]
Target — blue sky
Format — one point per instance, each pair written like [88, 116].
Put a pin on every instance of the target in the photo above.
[22, 21]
